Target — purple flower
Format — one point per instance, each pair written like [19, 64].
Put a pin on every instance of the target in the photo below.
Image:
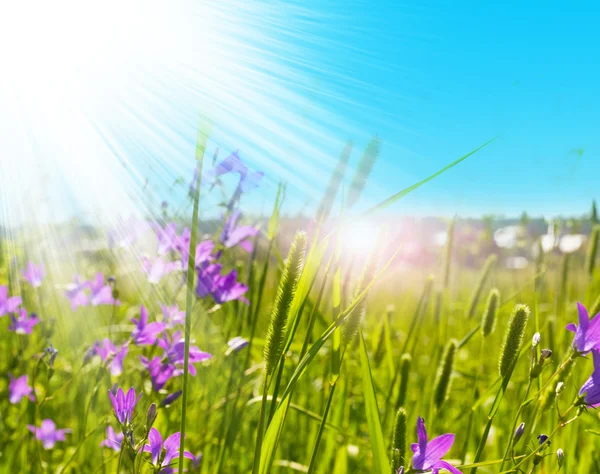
[145, 333]
[34, 274]
[222, 288]
[158, 268]
[170, 448]
[113, 439]
[428, 454]
[587, 334]
[233, 164]
[175, 352]
[591, 388]
[101, 292]
[21, 323]
[124, 405]
[236, 344]
[8, 304]
[203, 252]
[207, 279]
[160, 373]
[19, 388]
[48, 434]
[76, 293]
[233, 234]
[173, 315]
[110, 354]
[229, 289]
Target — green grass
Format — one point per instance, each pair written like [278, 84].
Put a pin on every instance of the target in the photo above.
[331, 400]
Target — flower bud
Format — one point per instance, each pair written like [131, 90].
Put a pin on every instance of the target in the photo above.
[150, 416]
[518, 433]
[543, 438]
[545, 354]
[170, 398]
[560, 457]
[560, 386]
[536, 370]
[536, 339]
[52, 353]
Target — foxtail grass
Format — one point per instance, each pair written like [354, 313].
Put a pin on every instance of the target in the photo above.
[398, 454]
[276, 333]
[488, 321]
[443, 380]
[405, 364]
[513, 338]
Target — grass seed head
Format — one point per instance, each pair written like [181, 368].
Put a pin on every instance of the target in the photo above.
[488, 322]
[513, 338]
[283, 301]
[443, 379]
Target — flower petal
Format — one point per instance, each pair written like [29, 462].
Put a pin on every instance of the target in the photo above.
[445, 465]
[438, 447]
[155, 444]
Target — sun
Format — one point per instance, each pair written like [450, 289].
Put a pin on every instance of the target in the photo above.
[100, 101]
[359, 238]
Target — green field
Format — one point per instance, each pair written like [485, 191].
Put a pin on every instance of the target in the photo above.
[337, 342]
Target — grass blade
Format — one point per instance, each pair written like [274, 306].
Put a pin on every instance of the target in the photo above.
[380, 458]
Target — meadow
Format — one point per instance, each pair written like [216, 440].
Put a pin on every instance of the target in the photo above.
[305, 353]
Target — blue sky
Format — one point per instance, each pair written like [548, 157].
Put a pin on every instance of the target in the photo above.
[288, 83]
[447, 76]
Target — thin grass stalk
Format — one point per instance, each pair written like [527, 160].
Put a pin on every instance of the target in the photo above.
[488, 324]
[509, 446]
[418, 316]
[189, 297]
[473, 406]
[315, 452]
[363, 170]
[448, 254]
[483, 277]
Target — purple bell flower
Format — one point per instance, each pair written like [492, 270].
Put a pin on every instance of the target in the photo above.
[124, 405]
[428, 454]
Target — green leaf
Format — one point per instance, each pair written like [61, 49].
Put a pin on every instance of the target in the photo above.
[271, 439]
[378, 445]
[395, 197]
